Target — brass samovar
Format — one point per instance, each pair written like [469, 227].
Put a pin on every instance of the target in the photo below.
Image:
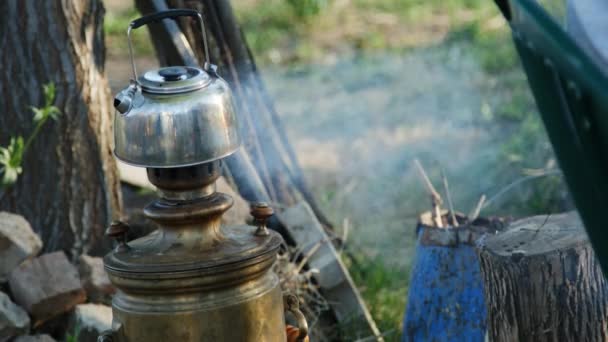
[192, 279]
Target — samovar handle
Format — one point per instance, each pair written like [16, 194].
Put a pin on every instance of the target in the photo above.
[118, 230]
[292, 304]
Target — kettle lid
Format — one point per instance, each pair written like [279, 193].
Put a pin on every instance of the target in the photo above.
[173, 80]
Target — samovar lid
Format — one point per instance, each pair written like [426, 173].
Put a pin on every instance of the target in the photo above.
[148, 266]
[147, 255]
[173, 80]
[191, 244]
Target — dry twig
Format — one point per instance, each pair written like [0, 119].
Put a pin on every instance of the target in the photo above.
[446, 186]
[435, 197]
[474, 214]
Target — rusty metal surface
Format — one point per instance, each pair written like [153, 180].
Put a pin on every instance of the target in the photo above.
[193, 279]
[192, 243]
[252, 311]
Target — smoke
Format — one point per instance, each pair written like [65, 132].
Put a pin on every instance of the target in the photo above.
[358, 124]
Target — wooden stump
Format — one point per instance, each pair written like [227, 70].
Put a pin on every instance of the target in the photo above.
[543, 283]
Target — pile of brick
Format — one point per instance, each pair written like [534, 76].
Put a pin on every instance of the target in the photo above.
[45, 297]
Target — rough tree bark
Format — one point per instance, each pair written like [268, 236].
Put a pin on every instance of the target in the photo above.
[69, 189]
[543, 283]
[265, 143]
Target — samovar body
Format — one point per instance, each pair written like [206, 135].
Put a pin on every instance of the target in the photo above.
[246, 312]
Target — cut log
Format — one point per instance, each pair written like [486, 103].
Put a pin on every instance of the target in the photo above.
[542, 282]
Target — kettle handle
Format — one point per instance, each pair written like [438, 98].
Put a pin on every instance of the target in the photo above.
[168, 14]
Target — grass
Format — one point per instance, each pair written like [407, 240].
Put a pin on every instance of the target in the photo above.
[383, 287]
[276, 33]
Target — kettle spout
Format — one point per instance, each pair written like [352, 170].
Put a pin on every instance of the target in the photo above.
[123, 101]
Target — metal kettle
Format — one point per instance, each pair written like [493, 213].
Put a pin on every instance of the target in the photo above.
[174, 116]
[193, 279]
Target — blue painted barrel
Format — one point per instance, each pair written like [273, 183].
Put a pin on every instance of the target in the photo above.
[446, 300]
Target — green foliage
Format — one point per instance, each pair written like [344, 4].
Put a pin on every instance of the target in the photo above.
[10, 161]
[268, 25]
[11, 157]
[48, 110]
[306, 8]
[115, 28]
[384, 288]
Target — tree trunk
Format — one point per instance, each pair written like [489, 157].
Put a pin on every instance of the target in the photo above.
[543, 283]
[69, 188]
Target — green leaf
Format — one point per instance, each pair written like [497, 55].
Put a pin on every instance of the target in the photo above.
[10, 160]
[39, 114]
[53, 112]
[9, 176]
[11, 157]
[49, 94]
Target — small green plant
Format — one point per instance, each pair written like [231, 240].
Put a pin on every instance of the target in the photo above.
[11, 156]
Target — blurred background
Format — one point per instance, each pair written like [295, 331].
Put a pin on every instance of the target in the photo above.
[365, 87]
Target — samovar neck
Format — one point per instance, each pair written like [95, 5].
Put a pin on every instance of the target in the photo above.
[186, 183]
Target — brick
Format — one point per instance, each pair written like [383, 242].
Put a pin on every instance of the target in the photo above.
[17, 242]
[94, 279]
[13, 319]
[46, 286]
[90, 320]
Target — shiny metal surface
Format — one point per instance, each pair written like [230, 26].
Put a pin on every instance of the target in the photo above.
[173, 80]
[176, 130]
